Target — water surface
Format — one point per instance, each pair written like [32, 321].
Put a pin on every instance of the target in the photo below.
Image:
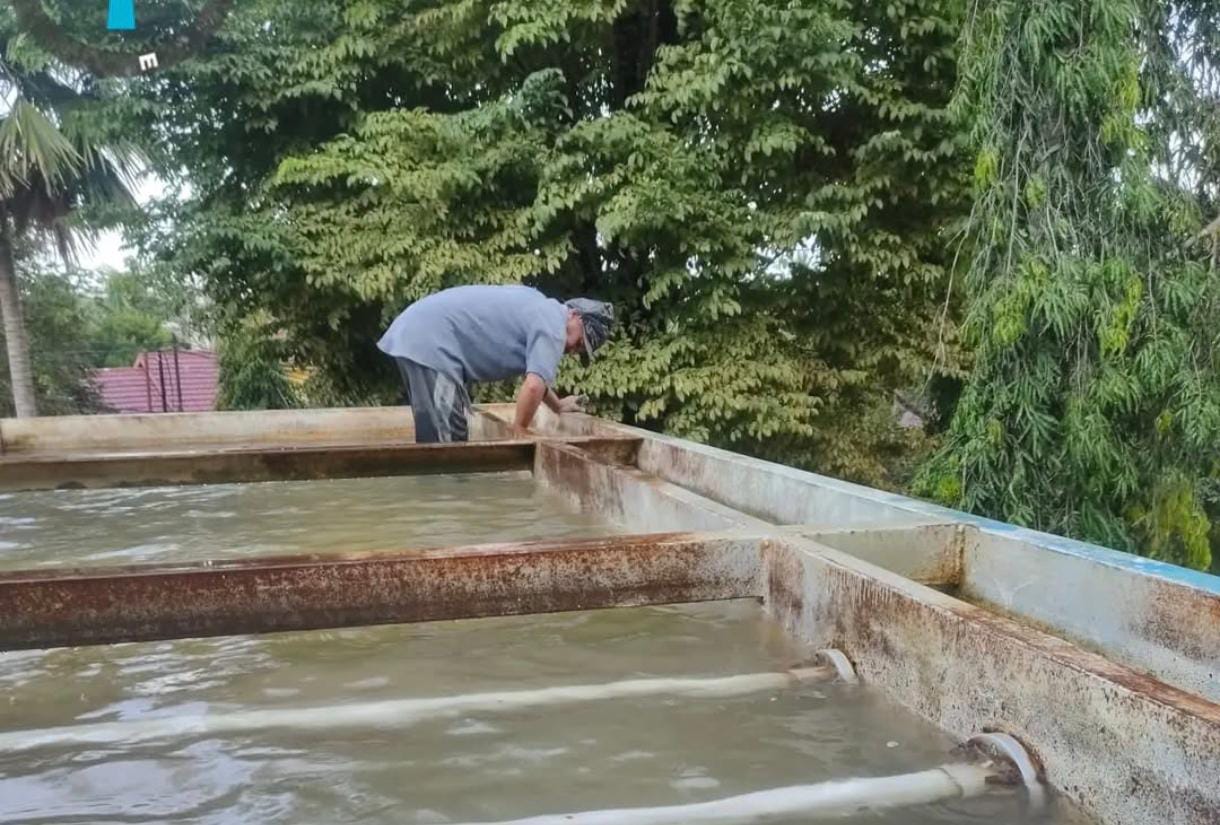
[638, 752]
[219, 521]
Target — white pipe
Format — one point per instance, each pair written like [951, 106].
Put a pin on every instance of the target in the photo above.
[841, 663]
[1008, 748]
[821, 801]
[399, 713]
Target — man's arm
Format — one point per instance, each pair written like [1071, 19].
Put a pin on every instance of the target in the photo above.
[529, 398]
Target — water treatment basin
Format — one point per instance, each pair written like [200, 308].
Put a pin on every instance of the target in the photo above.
[306, 618]
[125, 525]
[371, 761]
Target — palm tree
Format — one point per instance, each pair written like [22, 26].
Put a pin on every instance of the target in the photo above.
[54, 159]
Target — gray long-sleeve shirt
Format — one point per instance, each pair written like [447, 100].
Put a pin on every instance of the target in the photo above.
[481, 333]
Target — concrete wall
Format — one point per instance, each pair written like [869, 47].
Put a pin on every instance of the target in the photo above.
[630, 499]
[769, 491]
[1129, 749]
[1155, 617]
[1169, 627]
[65, 434]
[929, 554]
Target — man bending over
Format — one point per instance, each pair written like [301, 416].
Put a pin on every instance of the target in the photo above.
[467, 334]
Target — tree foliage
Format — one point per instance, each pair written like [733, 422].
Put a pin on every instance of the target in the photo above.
[252, 375]
[789, 201]
[125, 318]
[179, 29]
[1094, 403]
[61, 363]
[763, 187]
[56, 157]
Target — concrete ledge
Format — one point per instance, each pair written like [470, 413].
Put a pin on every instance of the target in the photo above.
[929, 554]
[1168, 627]
[1130, 749]
[629, 497]
[229, 465]
[84, 607]
[219, 466]
[79, 433]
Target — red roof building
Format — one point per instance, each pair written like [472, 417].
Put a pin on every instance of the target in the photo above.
[166, 381]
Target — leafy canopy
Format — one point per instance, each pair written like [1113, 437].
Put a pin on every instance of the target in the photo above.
[749, 181]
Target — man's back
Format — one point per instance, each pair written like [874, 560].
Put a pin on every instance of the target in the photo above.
[481, 333]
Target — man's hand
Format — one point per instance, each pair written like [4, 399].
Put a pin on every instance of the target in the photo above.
[571, 404]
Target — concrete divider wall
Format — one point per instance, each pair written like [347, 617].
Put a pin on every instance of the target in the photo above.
[64, 434]
[629, 498]
[46, 608]
[929, 554]
[1153, 616]
[763, 489]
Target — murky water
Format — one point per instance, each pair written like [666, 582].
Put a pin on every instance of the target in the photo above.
[216, 521]
[480, 767]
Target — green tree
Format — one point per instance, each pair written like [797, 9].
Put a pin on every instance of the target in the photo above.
[765, 188]
[54, 158]
[1094, 401]
[56, 318]
[252, 373]
[128, 317]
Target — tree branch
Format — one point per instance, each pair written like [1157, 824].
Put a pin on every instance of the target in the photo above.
[33, 19]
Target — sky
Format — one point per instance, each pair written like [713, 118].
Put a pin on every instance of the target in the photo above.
[108, 250]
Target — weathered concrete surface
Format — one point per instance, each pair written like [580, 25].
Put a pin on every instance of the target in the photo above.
[628, 497]
[354, 425]
[1131, 750]
[226, 465]
[215, 466]
[548, 424]
[48, 609]
[768, 491]
[486, 427]
[1131, 747]
[1167, 627]
[929, 554]
[1144, 613]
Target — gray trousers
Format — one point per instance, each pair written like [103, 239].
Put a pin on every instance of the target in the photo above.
[438, 403]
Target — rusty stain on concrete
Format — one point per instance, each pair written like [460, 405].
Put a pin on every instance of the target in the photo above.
[629, 496]
[1184, 620]
[97, 606]
[226, 465]
[1129, 746]
[1103, 730]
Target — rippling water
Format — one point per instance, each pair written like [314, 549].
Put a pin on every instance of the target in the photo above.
[215, 521]
[644, 751]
